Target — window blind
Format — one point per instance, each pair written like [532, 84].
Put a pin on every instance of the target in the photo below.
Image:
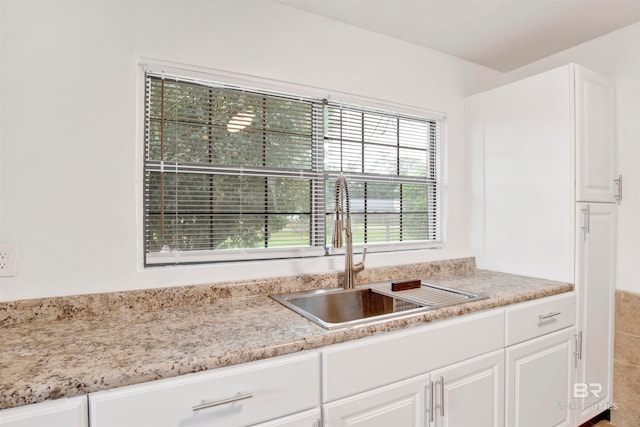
[230, 172]
[392, 163]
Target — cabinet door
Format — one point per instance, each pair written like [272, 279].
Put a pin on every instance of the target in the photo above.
[595, 142]
[398, 404]
[595, 286]
[539, 383]
[470, 393]
[71, 412]
[302, 419]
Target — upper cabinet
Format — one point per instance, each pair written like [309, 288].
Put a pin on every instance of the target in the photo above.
[596, 179]
[522, 143]
[538, 146]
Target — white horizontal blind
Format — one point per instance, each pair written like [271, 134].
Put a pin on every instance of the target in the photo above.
[392, 164]
[230, 173]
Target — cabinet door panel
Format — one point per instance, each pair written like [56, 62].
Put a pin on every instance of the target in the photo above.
[596, 254]
[473, 392]
[539, 384]
[71, 412]
[595, 137]
[399, 404]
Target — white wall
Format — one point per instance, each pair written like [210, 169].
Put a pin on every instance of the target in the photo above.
[617, 56]
[71, 143]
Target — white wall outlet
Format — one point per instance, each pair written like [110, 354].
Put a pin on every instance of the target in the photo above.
[8, 256]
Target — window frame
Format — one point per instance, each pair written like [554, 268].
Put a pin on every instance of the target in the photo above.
[260, 85]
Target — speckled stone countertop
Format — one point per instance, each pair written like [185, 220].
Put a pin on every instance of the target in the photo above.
[70, 346]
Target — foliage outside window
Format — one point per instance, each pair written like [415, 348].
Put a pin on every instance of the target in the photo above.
[232, 173]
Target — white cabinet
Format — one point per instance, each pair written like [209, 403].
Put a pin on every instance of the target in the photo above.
[239, 395]
[539, 145]
[523, 156]
[449, 373]
[595, 138]
[467, 394]
[543, 156]
[541, 360]
[347, 368]
[596, 255]
[365, 364]
[67, 412]
[399, 404]
[470, 393]
[540, 380]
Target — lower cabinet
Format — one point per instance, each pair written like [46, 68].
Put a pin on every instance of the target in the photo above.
[469, 393]
[449, 373]
[398, 404]
[236, 396]
[540, 377]
[67, 412]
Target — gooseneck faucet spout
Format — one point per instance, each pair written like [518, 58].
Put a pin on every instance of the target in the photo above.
[343, 223]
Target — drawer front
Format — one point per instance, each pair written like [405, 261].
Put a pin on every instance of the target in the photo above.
[373, 362]
[536, 318]
[234, 396]
[66, 412]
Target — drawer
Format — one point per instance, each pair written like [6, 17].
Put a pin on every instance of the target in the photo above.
[65, 412]
[536, 318]
[253, 392]
[373, 362]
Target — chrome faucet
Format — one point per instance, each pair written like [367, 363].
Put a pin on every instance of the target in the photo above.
[343, 222]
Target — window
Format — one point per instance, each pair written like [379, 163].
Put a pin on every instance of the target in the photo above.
[232, 173]
[392, 165]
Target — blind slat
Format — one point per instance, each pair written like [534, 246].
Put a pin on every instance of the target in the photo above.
[234, 173]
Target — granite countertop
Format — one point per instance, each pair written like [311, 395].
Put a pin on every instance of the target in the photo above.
[64, 347]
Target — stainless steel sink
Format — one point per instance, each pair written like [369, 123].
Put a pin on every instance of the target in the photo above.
[338, 308]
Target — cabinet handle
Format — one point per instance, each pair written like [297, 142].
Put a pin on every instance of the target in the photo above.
[587, 218]
[442, 396]
[237, 397]
[433, 407]
[618, 182]
[551, 315]
[580, 345]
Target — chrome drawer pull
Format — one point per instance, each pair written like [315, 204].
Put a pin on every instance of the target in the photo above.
[544, 317]
[237, 397]
[442, 396]
[433, 402]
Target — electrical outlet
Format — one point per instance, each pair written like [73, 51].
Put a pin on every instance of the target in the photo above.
[7, 259]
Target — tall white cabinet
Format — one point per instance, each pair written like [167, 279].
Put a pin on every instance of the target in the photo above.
[545, 188]
[595, 273]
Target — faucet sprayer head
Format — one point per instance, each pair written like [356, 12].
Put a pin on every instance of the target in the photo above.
[341, 193]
